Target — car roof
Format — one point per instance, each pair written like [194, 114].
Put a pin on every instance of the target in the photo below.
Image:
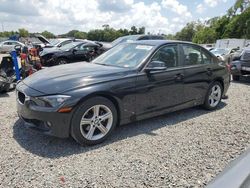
[159, 42]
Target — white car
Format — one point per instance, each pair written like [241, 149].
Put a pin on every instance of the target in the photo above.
[9, 45]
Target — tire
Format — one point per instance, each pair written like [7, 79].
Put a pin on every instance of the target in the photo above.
[62, 61]
[86, 129]
[236, 77]
[213, 96]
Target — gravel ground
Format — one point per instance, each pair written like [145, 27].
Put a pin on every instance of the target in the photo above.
[183, 149]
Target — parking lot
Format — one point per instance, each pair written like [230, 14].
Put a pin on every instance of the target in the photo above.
[182, 149]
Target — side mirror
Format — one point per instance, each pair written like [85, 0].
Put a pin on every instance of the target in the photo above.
[155, 66]
[74, 50]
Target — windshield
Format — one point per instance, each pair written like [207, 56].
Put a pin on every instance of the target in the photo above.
[54, 41]
[69, 46]
[124, 39]
[124, 55]
[220, 51]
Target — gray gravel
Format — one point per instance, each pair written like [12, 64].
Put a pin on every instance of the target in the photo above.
[183, 149]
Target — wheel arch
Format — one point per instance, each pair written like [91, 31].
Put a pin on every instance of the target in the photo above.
[111, 97]
[220, 80]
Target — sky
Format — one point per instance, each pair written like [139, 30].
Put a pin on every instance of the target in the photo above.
[61, 16]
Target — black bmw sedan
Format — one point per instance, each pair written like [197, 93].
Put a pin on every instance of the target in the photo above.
[69, 53]
[130, 82]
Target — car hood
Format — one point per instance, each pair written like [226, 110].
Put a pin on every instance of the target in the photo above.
[63, 78]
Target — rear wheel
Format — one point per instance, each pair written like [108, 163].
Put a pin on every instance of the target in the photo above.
[62, 61]
[236, 77]
[213, 96]
[94, 121]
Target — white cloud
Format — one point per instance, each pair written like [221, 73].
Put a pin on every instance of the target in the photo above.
[213, 3]
[200, 8]
[60, 16]
[176, 7]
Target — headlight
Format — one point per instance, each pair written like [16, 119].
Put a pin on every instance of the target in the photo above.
[54, 100]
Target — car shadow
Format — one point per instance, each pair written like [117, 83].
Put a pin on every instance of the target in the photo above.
[51, 147]
[2, 95]
[243, 80]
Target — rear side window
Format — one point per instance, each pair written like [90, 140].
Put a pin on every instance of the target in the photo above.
[207, 59]
[192, 55]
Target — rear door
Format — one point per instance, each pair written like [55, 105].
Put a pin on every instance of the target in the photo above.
[198, 72]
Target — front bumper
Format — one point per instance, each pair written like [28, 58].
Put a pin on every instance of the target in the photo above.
[47, 121]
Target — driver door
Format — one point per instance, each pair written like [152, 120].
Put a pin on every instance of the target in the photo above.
[161, 91]
[81, 53]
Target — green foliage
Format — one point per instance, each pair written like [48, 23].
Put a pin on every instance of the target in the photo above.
[7, 34]
[187, 33]
[23, 32]
[48, 34]
[80, 35]
[238, 26]
[205, 35]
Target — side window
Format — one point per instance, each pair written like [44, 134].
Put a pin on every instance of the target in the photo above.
[246, 56]
[207, 59]
[168, 55]
[144, 38]
[65, 42]
[192, 55]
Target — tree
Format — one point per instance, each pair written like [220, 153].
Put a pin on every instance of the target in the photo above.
[48, 34]
[23, 32]
[141, 30]
[80, 35]
[187, 33]
[133, 30]
[205, 35]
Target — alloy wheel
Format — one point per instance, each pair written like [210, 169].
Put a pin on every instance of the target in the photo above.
[215, 96]
[96, 122]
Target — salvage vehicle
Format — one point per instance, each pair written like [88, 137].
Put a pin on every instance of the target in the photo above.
[134, 38]
[130, 82]
[240, 65]
[72, 52]
[9, 45]
[224, 54]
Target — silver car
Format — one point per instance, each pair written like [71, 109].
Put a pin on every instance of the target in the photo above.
[9, 45]
[225, 55]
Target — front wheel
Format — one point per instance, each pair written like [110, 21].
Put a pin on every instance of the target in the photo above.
[93, 121]
[213, 96]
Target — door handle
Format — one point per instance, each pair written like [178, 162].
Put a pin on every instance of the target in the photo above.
[209, 72]
[179, 77]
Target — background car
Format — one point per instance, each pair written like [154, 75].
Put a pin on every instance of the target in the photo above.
[129, 82]
[9, 45]
[224, 54]
[133, 38]
[240, 65]
[72, 52]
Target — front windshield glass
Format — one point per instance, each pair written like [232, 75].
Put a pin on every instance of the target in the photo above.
[69, 46]
[54, 41]
[124, 55]
[220, 51]
[124, 39]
